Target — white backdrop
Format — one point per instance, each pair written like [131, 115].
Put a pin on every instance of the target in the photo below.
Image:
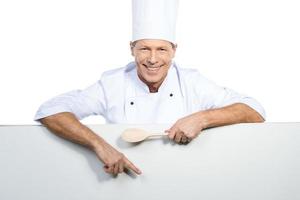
[50, 47]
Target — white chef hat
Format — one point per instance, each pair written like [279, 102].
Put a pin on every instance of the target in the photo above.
[154, 19]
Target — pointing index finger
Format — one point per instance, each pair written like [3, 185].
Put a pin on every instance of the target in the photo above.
[130, 165]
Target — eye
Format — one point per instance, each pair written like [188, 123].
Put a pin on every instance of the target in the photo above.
[163, 49]
[143, 49]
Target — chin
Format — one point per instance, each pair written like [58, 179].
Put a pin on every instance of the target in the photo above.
[151, 78]
[152, 81]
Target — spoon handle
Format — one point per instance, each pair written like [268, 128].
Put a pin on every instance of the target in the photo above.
[157, 134]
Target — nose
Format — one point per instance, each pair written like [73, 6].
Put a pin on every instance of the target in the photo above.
[152, 59]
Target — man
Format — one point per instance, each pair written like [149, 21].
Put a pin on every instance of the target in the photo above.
[153, 89]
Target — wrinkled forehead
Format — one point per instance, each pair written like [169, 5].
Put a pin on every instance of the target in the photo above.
[152, 43]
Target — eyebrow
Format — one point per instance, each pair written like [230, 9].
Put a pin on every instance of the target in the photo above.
[157, 47]
[142, 45]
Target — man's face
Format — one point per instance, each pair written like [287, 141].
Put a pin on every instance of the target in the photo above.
[153, 59]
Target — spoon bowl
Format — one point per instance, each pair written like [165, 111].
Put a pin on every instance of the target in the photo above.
[134, 135]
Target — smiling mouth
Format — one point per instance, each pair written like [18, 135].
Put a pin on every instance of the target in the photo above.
[152, 68]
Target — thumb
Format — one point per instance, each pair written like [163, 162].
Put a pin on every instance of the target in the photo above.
[172, 133]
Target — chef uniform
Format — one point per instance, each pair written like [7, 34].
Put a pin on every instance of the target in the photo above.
[121, 97]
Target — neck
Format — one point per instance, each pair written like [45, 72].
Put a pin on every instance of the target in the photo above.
[153, 87]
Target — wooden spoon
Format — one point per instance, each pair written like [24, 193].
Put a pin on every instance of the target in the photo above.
[138, 135]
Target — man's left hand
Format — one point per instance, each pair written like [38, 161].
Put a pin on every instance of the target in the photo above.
[186, 129]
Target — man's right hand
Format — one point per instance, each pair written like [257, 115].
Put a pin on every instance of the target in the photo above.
[114, 161]
[66, 125]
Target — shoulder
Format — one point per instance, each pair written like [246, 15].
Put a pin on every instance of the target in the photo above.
[116, 75]
[191, 75]
[112, 74]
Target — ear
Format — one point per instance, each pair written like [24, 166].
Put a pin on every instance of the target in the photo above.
[174, 47]
[131, 48]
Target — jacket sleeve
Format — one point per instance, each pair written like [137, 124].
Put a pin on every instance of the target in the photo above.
[82, 103]
[213, 96]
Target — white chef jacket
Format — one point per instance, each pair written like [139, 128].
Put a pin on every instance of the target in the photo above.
[121, 97]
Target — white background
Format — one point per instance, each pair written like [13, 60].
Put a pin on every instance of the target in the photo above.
[50, 47]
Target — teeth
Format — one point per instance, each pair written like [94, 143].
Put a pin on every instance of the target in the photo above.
[152, 68]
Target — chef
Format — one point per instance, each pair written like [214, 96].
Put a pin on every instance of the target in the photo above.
[152, 89]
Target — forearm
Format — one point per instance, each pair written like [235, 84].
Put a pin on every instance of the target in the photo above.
[66, 125]
[235, 113]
